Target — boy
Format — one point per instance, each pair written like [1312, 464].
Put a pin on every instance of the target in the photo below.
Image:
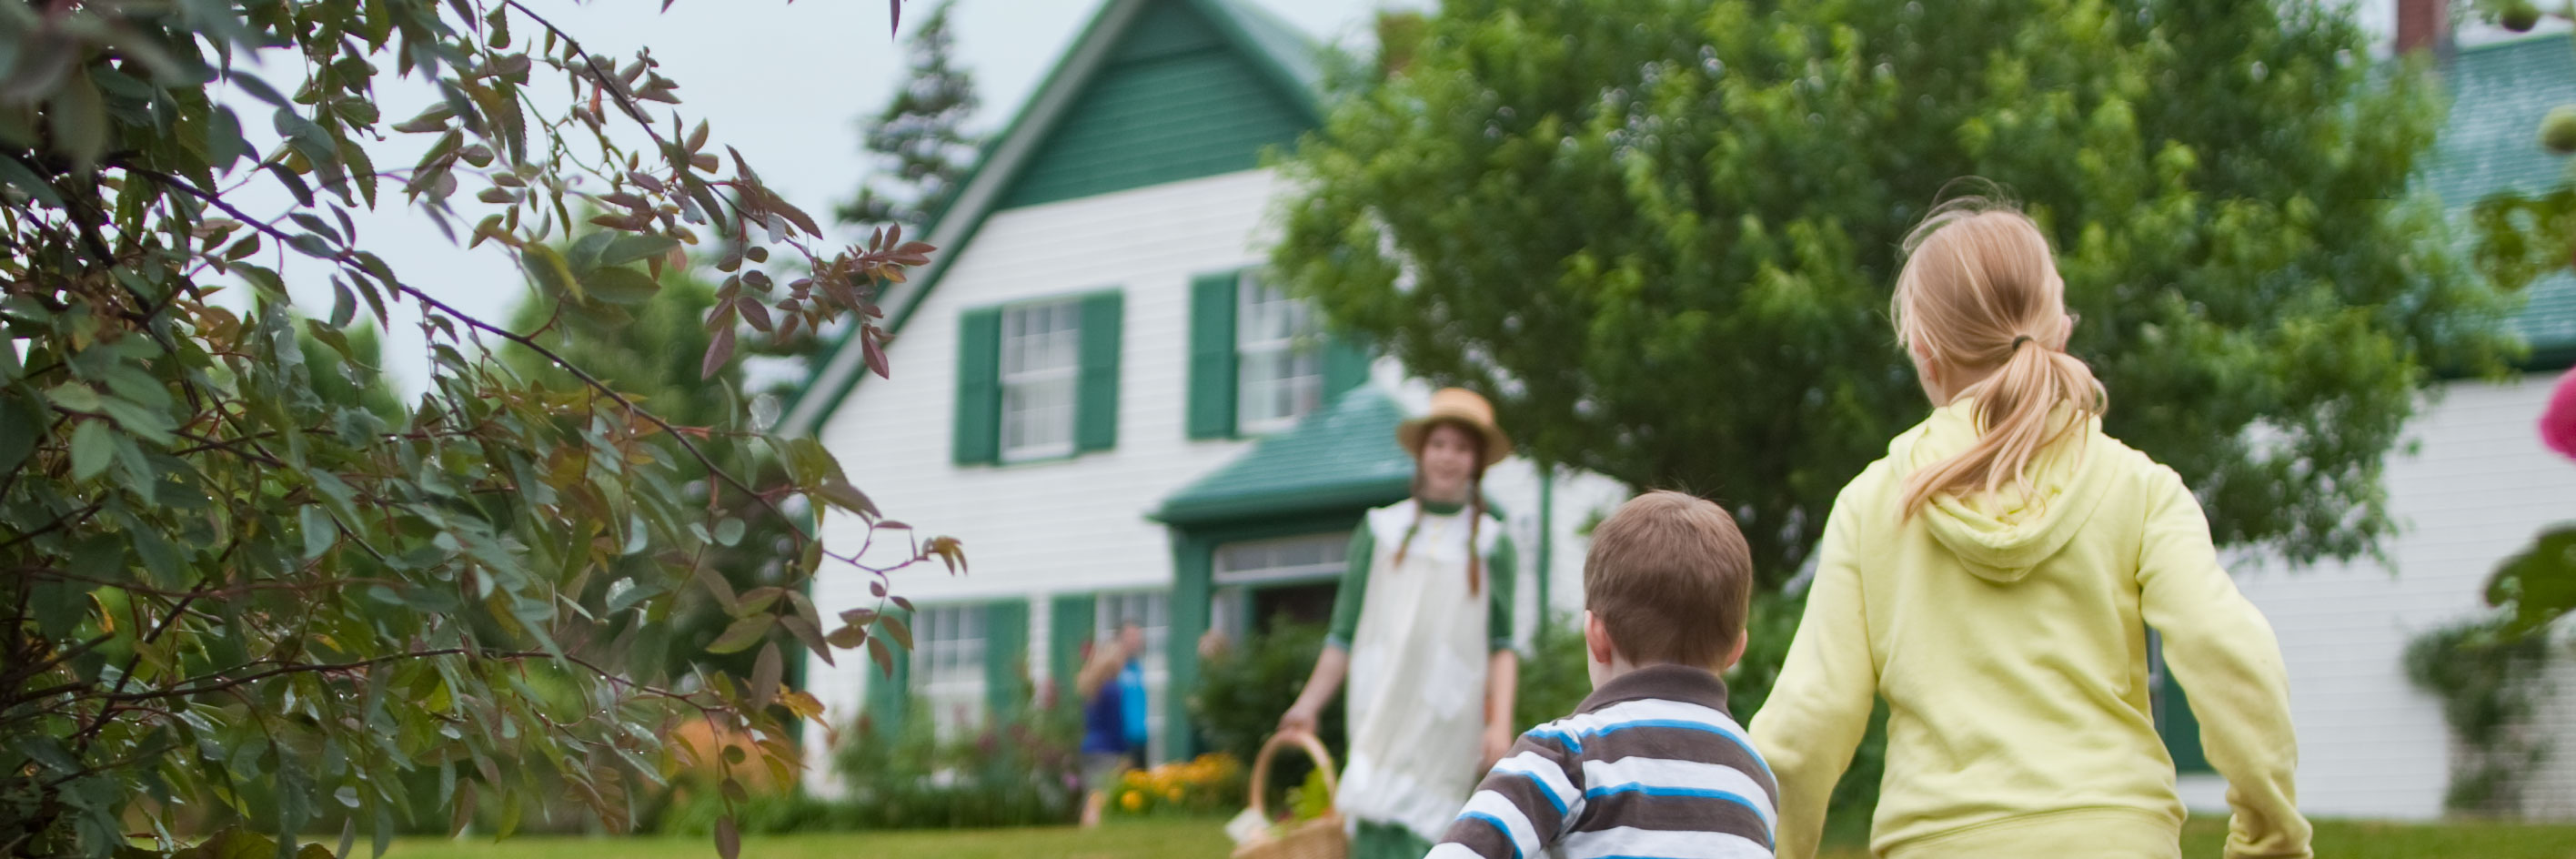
[1650, 765]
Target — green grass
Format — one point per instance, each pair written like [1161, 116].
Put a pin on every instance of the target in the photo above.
[1201, 839]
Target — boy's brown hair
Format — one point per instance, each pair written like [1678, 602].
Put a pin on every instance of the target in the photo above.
[1671, 578]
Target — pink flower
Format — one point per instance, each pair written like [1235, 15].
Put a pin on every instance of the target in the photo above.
[2558, 419]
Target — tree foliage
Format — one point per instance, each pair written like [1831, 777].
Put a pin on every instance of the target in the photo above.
[239, 594]
[1664, 232]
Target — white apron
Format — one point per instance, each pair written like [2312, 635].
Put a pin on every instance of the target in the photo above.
[1417, 684]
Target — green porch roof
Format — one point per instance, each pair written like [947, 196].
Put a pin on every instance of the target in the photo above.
[1340, 458]
[2491, 143]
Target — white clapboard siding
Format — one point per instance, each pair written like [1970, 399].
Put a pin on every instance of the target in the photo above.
[2477, 490]
[1036, 529]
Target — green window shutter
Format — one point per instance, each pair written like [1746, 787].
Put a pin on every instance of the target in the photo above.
[1095, 420]
[1006, 658]
[1069, 621]
[2174, 721]
[1346, 365]
[1212, 359]
[890, 695]
[979, 387]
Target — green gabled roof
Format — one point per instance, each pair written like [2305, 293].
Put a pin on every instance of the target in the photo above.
[2491, 144]
[1340, 458]
[1111, 70]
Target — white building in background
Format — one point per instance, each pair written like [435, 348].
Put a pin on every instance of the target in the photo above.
[1096, 392]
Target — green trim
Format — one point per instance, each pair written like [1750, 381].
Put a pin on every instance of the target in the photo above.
[978, 428]
[1095, 422]
[1006, 659]
[1214, 370]
[1069, 624]
[1231, 20]
[1193, 566]
[889, 695]
[1546, 546]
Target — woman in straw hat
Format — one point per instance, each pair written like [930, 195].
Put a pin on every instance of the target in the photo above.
[1422, 627]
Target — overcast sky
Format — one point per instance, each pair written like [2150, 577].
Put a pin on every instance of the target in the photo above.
[784, 83]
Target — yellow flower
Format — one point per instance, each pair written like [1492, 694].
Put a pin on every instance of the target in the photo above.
[1133, 801]
[1174, 795]
[1135, 778]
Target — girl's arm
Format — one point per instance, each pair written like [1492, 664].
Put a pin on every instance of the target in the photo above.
[1820, 706]
[1502, 671]
[2223, 652]
[1502, 676]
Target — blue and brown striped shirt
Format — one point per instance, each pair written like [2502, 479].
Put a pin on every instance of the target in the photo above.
[1650, 766]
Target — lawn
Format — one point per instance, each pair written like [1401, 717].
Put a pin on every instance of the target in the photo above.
[1200, 839]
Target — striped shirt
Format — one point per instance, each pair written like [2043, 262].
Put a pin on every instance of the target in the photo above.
[1650, 766]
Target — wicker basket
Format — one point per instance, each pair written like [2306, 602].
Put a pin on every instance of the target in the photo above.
[1320, 838]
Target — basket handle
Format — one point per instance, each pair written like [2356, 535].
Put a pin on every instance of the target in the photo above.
[1261, 766]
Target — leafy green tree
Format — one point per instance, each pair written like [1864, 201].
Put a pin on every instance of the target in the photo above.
[654, 361]
[1663, 232]
[237, 590]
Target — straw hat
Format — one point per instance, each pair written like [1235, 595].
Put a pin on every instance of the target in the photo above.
[1464, 408]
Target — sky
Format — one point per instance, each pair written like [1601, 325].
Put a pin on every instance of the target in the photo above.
[783, 82]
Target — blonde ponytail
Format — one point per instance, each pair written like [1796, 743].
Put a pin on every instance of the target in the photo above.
[1980, 291]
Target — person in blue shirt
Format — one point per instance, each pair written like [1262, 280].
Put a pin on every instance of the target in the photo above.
[1113, 716]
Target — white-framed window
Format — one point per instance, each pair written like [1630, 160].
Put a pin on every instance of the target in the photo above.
[948, 665]
[1041, 370]
[1242, 568]
[1152, 611]
[1280, 369]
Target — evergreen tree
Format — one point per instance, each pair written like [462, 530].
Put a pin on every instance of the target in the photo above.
[920, 136]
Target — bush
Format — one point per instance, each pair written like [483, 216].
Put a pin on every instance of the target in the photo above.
[2490, 681]
[1243, 690]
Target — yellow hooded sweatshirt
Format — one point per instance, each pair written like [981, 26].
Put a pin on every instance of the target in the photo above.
[2007, 633]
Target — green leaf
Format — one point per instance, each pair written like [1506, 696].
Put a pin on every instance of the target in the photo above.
[744, 633]
[729, 531]
[344, 306]
[552, 275]
[319, 533]
[152, 425]
[633, 247]
[93, 447]
[765, 672]
[621, 285]
[79, 116]
[26, 180]
[583, 256]
[20, 427]
[728, 840]
[74, 396]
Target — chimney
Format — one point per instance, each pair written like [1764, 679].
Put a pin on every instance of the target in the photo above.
[2424, 24]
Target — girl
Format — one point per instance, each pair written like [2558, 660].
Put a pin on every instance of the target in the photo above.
[1993, 579]
[1422, 624]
